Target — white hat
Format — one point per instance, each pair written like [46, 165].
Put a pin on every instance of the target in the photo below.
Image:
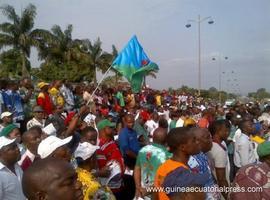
[4, 141]
[49, 144]
[85, 150]
[5, 114]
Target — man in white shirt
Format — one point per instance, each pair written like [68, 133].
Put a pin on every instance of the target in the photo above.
[68, 96]
[244, 151]
[152, 124]
[218, 155]
[38, 119]
[10, 172]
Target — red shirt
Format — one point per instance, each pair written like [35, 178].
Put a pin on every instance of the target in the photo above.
[45, 102]
[109, 151]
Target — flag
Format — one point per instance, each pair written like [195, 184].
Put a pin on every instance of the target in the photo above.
[133, 64]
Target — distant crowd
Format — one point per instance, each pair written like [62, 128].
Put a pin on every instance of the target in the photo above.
[65, 141]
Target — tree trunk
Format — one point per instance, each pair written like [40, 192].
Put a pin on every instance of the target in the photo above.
[144, 81]
[25, 72]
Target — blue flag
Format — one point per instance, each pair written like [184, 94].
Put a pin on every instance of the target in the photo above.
[133, 64]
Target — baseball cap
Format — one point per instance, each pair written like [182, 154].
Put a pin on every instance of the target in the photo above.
[104, 123]
[42, 84]
[38, 109]
[50, 144]
[8, 129]
[263, 149]
[4, 141]
[6, 114]
[85, 150]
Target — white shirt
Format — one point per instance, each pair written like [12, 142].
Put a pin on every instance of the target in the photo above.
[180, 123]
[237, 134]
[1, 127]
[244, 151]
[35, 122]
[10, 184]
[218, 158]
[151, 125]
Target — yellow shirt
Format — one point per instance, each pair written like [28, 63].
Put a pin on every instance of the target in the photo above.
[57, 97]
[92, 189]
[257, 139]
[158, 100]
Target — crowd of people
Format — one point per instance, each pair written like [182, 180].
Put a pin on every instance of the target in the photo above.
[69, 141]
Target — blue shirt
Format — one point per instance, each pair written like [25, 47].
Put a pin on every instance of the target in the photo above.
[128, 141]
[199, 164]
[13, 103]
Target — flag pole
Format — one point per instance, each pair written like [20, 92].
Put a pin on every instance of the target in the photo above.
[104, 75]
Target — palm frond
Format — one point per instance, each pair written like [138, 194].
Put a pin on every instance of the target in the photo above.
[41, 34]
[68, 32]
[7, 28]
[114, 51]
[57, 31]
[27, 19]
[10, 13]
[6, 40]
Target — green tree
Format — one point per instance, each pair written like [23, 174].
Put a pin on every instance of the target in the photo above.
[98, 59]
[114, 54]
[10, 64]
[64, 56]
[19, 34]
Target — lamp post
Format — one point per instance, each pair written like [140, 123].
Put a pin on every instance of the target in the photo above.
[199, 21]
[219, 73]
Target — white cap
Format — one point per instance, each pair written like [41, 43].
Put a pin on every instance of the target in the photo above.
[85, 150]
[49, 144]
[4, 141]
[5, 114]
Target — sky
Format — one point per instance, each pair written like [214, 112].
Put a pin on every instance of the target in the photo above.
[241, 32]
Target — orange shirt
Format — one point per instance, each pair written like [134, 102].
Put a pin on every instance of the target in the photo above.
[203, 123]
[162, 172]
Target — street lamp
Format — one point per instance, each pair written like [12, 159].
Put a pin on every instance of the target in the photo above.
[219, 73]
[199, 21]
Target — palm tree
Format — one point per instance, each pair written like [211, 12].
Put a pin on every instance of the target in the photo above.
[19, 33]
[64, 52]
[99, 60]
[114, 55]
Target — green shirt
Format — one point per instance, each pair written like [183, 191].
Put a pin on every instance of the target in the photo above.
[140, 130]
[149, 159]
[172, 124]
[120, 97]
[28, 106]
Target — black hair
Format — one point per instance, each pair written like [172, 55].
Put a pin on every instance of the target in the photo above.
[242, 124]
[35, 128]
[176, 137]
[3, 84]
[163, 123]
[216, 125]
[229, 116]
[88, 129]
[29, 131]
